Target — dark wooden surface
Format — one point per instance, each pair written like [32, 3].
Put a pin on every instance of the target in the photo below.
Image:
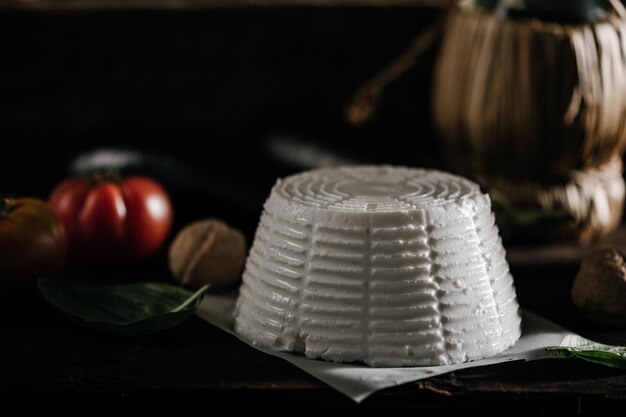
[46, 357]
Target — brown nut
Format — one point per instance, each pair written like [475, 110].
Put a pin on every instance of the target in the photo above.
[208, 252]
[599, 290]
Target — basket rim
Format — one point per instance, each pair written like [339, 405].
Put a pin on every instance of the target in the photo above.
[552, 28]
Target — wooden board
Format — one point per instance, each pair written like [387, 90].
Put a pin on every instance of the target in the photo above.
[44, 355]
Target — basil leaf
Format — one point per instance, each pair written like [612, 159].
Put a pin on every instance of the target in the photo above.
[522, 224]
[579, 347]
[129, 310]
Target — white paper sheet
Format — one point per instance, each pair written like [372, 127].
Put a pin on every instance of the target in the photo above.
[360, 381]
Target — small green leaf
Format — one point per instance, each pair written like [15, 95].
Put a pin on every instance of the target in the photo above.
[574, 346]
[129, 310]
[522, 224]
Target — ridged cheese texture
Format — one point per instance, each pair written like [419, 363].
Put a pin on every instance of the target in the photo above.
[385, 265]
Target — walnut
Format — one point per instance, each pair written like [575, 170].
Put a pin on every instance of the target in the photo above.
[208, 252]
[600, 287]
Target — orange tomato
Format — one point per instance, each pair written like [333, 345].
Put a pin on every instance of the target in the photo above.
[32, 243]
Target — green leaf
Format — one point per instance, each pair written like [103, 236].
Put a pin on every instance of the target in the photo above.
[579, 347]
[524, 223]
[129, 310]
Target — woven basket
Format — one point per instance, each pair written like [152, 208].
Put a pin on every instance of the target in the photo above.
[537, 111]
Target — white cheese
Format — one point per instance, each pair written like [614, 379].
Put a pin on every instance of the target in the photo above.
[386, 265]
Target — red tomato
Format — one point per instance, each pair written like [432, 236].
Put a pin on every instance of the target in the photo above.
[113, 222]
[32, 244]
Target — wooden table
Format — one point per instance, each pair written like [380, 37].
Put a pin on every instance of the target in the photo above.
[43, 356]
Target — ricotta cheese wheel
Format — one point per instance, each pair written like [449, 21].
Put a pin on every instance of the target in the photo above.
[389, 266]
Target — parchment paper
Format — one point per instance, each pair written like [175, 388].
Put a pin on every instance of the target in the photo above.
[360, 381]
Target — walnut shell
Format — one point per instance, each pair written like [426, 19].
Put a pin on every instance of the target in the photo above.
[208, 252]
[599, 290]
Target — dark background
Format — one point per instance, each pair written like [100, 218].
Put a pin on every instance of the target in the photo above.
[222, 100]
[216, 102]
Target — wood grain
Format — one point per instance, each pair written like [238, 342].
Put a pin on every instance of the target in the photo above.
[44, 356]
